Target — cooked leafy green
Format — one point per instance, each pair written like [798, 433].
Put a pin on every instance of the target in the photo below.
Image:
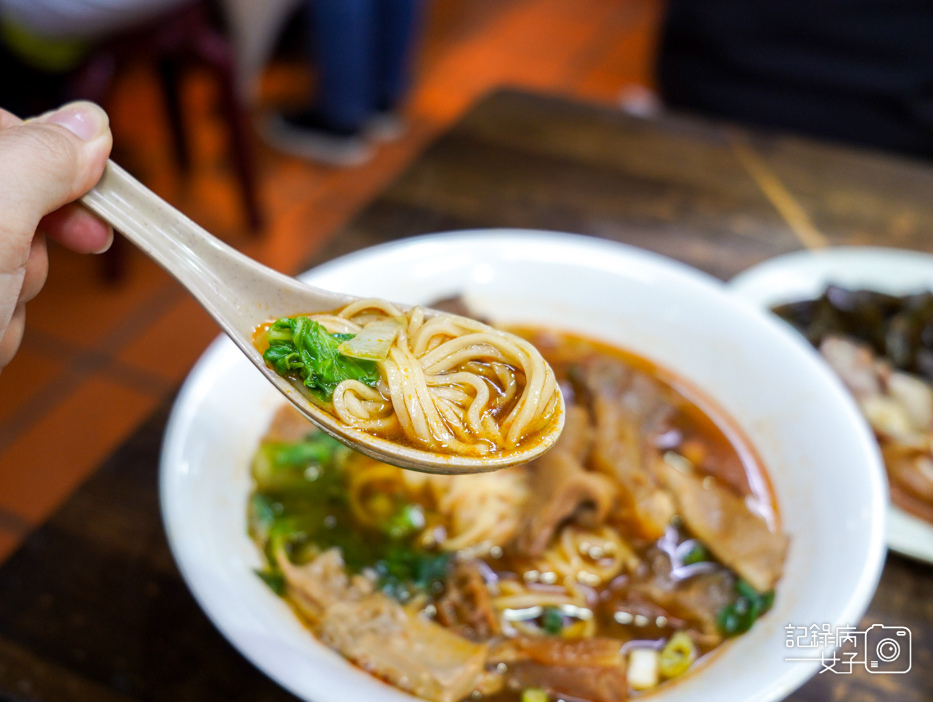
[698, 554]
[404, 571]
[737, 617]
[552, 621]
[279, 465]
[301, 348]
[300, 507]
[407, 521]
[273, 578]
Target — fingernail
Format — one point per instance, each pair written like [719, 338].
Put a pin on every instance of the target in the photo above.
[106, 247]
[83, 119]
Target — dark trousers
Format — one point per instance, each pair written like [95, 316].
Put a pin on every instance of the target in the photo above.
[361, 50]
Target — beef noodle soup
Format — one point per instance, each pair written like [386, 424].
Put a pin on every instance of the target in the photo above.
[610, 566]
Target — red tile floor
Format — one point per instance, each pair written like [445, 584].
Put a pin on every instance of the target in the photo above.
[99, 357]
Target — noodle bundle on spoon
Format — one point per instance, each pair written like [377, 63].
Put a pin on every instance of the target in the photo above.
[438, 382]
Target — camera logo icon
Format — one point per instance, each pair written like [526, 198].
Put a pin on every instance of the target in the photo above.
[887, 649]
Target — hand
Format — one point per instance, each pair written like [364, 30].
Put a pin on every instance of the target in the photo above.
[45, 164]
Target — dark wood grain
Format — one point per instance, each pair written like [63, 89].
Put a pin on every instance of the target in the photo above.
[92, 607]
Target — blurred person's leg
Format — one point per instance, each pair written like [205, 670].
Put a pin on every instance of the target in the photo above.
[859, 71]
[398, 23]
[342, 50]
[344, 34]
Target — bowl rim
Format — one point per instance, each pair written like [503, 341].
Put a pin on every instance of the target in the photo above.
[778, 687]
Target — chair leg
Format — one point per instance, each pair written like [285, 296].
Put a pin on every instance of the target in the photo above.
[216, 53]
[169, 78]
[242, 151]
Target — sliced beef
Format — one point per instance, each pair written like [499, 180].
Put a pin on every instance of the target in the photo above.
[563, 489]
[587, 669]
[466, 606]
[577, 437]
[722, 520]
[696, 601]
[317, 585]
[376, 633]
[622, 449]
[407, 650]
[598, 375]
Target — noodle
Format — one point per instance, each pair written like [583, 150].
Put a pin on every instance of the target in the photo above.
[592, 557]
[370, 488]
[480, 512]
[519, 604]
[447, 384]
[484, 510]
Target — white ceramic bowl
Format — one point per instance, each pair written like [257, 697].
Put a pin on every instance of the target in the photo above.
[821, 458]
[805, 274]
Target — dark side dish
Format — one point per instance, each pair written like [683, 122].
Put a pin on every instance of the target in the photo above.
[881, 346]
[609, 567]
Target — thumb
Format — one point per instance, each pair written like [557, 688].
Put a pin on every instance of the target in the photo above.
[45, 163]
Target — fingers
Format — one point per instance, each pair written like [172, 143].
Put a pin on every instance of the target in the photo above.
[37, 270]
[47, 163]
[78, 229]
[8, 119]
[33, 278]
[12, 336]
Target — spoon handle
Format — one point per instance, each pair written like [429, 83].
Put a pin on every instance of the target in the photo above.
[230, 285]
[174, 241]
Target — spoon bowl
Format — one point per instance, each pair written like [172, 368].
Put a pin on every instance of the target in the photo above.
[242, 294]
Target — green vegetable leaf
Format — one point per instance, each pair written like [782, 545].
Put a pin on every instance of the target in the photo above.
[319, 448]
[273, 578]
[283, 358]
[406, 522]
[405, 571]
[552, 621]
[261, 515]
[698, 554]
[288, 466]
[300, 347]
[737, 618]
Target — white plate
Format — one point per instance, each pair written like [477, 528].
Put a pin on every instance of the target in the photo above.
[822, 461]
[805, 274]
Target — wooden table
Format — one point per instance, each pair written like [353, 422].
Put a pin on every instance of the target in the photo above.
[92, 607]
